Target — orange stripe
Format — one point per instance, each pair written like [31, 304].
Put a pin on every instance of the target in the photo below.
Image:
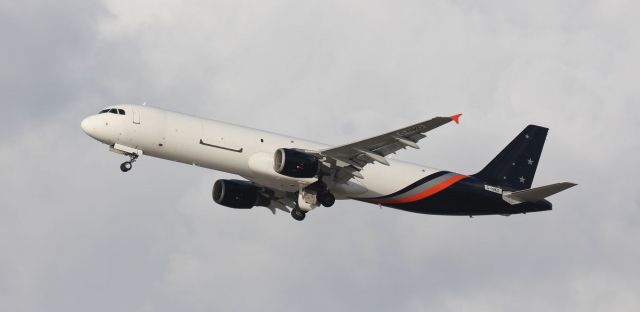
[426, 193]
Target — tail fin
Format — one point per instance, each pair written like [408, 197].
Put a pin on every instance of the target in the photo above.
[516, 165]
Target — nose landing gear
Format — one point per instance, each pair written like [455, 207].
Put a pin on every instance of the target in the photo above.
[130, 152]
[128, 165]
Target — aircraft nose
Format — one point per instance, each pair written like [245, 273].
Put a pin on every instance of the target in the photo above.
[85, 125]
[88, 125]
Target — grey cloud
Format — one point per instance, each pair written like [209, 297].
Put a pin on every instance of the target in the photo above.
[79, 235]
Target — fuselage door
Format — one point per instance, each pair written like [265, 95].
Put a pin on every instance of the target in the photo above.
[136, 117]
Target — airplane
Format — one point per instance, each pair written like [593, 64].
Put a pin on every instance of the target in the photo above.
[296, 176]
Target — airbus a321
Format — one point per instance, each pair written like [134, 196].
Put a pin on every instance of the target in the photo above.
[294, 175]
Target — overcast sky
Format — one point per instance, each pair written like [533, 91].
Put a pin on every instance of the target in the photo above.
[76, 234]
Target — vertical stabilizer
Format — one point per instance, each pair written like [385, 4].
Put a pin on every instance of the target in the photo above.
[516, 164]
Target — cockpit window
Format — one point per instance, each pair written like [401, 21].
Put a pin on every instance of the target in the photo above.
[116, 111]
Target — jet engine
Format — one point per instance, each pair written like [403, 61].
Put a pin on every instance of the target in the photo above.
[295, 164]
[238, 194]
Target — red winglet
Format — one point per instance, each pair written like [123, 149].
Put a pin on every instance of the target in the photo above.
[456, 118]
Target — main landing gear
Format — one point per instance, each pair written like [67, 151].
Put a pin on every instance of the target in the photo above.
[298, 214]
[326, 199]
[309, 199]
[128, 165]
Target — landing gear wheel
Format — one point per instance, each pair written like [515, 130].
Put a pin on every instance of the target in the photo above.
[327, 199]
[298, 214]
[126, 166]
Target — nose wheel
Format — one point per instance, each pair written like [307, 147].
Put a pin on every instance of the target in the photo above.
[128, 165]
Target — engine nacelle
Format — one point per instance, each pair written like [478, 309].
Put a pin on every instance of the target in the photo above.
[295, 164]
[237, 194]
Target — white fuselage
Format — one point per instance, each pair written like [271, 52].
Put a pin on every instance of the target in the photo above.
[234, 149]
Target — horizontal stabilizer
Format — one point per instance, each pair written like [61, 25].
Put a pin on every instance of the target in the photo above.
[537, 193]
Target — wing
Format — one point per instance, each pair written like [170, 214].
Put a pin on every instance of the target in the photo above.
[351, 158]
[274, 199]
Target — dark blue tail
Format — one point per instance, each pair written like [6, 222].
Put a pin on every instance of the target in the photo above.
[516, 165]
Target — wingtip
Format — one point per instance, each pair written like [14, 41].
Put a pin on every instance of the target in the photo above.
[456, 118]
